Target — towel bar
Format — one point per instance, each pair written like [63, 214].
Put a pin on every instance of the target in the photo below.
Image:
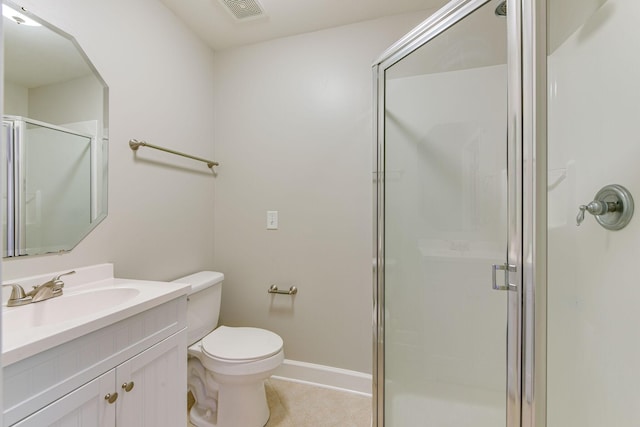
[134, 144]
[273, 289]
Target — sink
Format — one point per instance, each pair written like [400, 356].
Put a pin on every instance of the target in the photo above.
[68, 307]
[93, 299]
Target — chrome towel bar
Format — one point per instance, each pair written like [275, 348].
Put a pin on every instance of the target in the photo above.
[134, 144]
[273, 289]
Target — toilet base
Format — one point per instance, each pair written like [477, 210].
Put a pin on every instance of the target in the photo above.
[200, 418]
[238, 405]
[237, 389]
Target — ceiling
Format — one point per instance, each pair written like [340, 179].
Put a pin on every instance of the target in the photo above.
[210, 20]
[38, 56]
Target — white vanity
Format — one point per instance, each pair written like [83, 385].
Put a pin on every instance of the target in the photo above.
[108, 352]
[100, 351]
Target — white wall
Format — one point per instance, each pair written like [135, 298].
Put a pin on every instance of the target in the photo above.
[293, 128]
[16, 100]
[593, 292]
[82, 98]
[292, 133]
[160, 77]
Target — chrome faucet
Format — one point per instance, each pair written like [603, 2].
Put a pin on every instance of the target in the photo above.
[50, 289]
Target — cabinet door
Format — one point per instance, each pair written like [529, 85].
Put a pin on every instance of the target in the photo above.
[157, 384]
[85, 406]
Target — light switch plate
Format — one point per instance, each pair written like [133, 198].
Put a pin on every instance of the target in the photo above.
[272, 220]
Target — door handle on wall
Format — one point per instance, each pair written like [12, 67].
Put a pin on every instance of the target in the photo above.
[507, 269]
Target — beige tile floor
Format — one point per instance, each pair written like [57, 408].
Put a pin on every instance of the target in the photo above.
[303, 405]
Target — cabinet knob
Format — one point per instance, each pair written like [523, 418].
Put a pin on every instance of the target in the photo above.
[111, 398]
[127, 386]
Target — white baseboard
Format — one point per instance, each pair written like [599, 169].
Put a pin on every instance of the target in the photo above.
[325, 376]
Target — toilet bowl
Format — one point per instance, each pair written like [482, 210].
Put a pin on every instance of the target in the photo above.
[227, 366]
[238, 361]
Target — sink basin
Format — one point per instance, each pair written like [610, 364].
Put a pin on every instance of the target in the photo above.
[68, 307]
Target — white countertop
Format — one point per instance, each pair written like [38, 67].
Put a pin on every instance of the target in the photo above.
[92, 299]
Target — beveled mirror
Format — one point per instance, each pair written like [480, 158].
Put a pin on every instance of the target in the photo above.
[54, 139]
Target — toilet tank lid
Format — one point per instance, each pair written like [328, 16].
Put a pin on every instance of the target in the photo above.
[201, 280]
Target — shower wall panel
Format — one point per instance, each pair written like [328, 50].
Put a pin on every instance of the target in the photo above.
[593, 292]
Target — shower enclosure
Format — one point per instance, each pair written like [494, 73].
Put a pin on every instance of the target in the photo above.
[498, 126]
[46, 209]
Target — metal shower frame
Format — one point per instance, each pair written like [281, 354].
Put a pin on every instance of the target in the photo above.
[527, 118]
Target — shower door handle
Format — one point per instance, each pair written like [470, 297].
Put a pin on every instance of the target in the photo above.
[507, 269]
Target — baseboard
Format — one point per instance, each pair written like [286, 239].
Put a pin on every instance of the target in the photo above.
[325, 376]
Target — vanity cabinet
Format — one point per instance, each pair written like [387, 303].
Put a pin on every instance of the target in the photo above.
[156, 380]
[67, 385]
[156, 393]
[82, 407]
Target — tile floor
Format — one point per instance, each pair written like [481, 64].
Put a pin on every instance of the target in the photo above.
[302, 405]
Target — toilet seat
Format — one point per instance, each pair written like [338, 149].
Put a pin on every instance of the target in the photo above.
[241, 344]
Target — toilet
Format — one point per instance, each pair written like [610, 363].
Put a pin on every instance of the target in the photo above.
[227, 366]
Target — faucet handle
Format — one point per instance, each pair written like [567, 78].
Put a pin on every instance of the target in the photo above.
[18, 296]
[56, 280]
[596, 208]
[580, 216]
[612, 207]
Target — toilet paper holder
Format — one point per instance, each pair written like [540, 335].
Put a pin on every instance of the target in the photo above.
[273, 289]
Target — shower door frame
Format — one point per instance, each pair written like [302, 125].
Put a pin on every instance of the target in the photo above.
[533, 30]
[526, 248]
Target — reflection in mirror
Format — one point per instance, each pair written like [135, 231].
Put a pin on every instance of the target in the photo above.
[54, 138]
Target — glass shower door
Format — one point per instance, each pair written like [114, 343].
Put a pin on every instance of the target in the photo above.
[443, 221]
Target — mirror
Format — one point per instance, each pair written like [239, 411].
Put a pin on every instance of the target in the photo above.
[54, 140]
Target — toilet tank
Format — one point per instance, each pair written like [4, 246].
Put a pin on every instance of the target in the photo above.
[203, 303]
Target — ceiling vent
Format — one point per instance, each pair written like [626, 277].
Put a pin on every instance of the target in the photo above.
[243, 10]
